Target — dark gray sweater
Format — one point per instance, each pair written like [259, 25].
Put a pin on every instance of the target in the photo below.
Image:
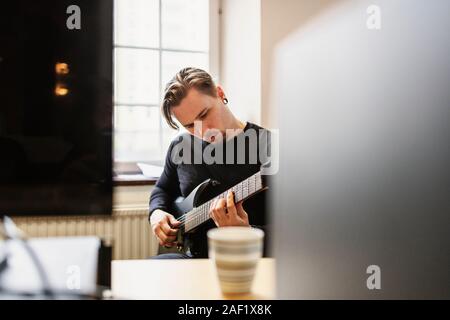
[180, 179]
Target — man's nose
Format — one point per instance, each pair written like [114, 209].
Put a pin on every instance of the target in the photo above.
[199, 129]
[205, 128]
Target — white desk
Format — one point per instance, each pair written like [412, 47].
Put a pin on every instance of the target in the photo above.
[182, 279]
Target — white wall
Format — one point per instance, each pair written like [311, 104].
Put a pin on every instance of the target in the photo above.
[250, 30]
[240, 57]
[131, 196]
[279, 18]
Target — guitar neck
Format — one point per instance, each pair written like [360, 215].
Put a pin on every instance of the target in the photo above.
[242, 191]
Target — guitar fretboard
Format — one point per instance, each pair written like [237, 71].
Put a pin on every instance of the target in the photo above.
[242, 190]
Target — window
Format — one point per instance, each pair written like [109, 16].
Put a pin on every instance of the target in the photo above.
[153, 39]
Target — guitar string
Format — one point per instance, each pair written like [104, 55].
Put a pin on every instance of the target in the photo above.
[191, 216]
[200, 210]
[196, 214]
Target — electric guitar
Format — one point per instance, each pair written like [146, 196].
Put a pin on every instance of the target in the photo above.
[193, 213]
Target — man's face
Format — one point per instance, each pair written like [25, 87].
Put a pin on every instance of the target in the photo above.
[202, 115]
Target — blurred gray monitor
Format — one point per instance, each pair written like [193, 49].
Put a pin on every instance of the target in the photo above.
[364, 180]
[71, 266]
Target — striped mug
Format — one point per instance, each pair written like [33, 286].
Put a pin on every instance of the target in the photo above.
[235, 252]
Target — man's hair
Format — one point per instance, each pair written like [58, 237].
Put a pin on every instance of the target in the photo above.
[178, 88]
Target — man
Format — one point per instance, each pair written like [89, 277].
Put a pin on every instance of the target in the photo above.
[193, 99]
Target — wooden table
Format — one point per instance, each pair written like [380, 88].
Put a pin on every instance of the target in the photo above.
[190, 279]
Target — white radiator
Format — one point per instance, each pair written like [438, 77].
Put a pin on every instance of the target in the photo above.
[127, 230]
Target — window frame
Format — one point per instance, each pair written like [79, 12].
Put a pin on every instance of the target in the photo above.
[130, 167]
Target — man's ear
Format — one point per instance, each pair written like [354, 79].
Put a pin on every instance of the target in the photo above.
[220, 92]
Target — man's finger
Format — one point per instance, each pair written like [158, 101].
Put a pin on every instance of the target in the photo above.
[163, 237]
[171, 239]
[240, 210]
[168, 230]
[220, 204]
[159, 234]
[231, 208]
[167, 239]
[213, 205]
[170, 244]
[155, 228]
[220, 210]
[213, 216]
[174, 222]
[219, 216]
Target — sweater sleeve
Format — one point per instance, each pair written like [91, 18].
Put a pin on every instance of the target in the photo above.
[166, 189]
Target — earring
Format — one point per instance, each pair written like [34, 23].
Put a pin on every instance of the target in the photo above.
[225, 100]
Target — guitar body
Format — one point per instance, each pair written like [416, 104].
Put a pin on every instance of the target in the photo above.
[183, 205]
[193, 211]
[194, 199]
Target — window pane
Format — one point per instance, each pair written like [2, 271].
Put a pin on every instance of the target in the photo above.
[137, 133]
[132, 119]
[137, 146]
[137, 23]
[185, 24]
[172, 62]
[168, 134]
[136, 76]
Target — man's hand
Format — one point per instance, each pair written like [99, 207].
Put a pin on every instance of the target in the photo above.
[227, 213]
[165, 227]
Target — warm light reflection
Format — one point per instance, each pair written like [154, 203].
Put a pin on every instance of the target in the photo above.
[61, 90]
[61, 68]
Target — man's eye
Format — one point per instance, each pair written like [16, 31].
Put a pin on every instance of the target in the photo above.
[203, 116]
